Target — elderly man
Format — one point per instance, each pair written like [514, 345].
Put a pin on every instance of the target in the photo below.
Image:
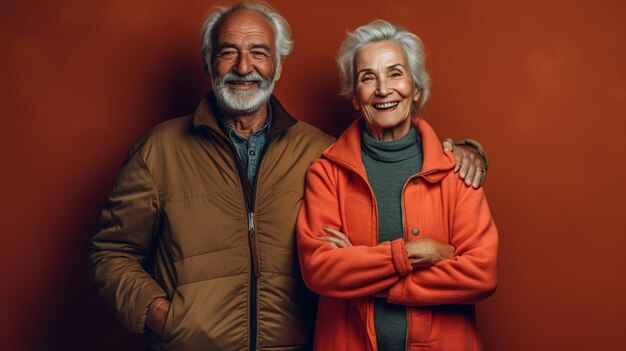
[196, 245]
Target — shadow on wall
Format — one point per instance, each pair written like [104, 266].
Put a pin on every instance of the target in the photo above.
[75, 317]
[183, 90]
[79, 319]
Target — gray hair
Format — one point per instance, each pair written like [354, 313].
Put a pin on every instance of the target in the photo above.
[282, 32]
[376, 31]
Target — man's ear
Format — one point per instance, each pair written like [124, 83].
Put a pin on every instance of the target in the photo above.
[205, 68]
[279, 70]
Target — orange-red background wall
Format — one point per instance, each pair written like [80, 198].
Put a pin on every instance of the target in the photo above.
[542, 84]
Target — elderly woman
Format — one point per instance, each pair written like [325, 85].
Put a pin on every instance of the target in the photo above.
[397, 246]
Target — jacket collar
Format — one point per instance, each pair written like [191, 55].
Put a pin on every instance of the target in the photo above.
[347, 151]
[206, 116]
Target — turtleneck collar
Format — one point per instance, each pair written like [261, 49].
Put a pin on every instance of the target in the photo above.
[406, 147]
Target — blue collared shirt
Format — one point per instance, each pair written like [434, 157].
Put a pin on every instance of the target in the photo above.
[251, 149]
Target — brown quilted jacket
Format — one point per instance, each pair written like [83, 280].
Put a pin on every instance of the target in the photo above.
[181, 222]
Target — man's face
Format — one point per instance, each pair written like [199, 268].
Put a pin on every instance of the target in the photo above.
[244, 66]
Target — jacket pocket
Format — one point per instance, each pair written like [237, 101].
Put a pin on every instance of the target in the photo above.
[359, 338]
[170, 322]
[420, 324]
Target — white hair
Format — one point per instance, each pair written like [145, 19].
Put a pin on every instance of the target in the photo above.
[282, 32]
[377, 31]
[242, 102]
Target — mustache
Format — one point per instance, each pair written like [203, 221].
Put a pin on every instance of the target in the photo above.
[234, 76]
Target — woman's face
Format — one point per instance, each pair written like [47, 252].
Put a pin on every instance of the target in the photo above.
[384, 90]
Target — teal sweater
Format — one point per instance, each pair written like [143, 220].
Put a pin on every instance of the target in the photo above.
[389, 165]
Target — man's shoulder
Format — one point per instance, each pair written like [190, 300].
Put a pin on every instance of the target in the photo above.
[166, 134]
[171, 132]
[308, 132]
[174, 127]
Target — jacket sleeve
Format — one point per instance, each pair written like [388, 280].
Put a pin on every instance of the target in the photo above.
[468, 278]
[124, 243]
[348, 272]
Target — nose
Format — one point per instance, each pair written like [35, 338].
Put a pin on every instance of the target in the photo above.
[382, 87]
[243, 65]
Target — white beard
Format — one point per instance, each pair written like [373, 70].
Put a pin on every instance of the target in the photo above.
[242, 102]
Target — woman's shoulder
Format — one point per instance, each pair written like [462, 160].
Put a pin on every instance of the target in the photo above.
[326, 170]
[322, 164]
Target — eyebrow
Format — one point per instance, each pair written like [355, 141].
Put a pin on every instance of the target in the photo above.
[261, 46]
[388, 68]
[234, 46]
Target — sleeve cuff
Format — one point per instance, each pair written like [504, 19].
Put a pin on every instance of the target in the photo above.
[476, 145]
[141, 322]
[400, 257]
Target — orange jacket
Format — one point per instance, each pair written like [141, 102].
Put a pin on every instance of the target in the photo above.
[436, 204]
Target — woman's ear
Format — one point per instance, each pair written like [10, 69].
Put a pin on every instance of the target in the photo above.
[418, 94]
[355, 104]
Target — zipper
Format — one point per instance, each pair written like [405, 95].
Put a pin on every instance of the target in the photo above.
[248, 196]
[249, 199]
[405, 236]
[407, 342]
[254, 273]
[251, 227]
[255, 270]
[254, 261]
[250, 221]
